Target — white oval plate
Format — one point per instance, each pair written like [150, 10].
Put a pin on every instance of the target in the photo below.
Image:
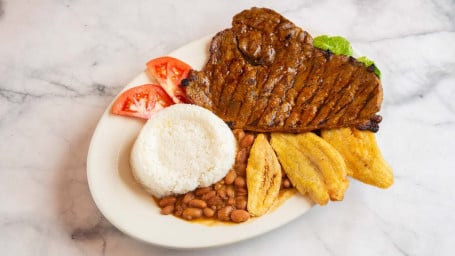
[128, 207]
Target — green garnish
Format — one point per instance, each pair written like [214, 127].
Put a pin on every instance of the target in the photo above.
[335, 44]
[341, 46]
[365, 60]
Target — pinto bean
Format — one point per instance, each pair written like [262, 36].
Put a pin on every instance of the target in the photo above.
[239, 216]
[247, 141]
[167, 209]
[192, 213]
[230, 191]
[286, 183]
[178, 212]
[208, 212]
[215, 201]
[230, 201]
[241, 191]
[208, 195]
[242, 155]
[218, 186]
[197, 203]
[239, 134]
[224, 213]
[240, 182]
[202, 191]
[168, 200]
[240, 168]
[188, 197]
[222, 193]
[241, 202]
[230, 177]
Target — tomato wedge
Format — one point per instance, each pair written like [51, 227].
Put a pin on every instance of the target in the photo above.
[141, 101]
[169, 72]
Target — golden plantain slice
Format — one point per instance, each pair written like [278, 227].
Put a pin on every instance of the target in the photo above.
[312, 165]
[328, 161]
[362, 155]
[263, 177]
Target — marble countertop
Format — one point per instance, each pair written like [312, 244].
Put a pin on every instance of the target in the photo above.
[62, 63]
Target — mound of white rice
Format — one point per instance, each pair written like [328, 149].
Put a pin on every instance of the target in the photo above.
[181, 148]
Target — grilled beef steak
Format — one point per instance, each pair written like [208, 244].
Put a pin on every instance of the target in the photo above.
[264, 75]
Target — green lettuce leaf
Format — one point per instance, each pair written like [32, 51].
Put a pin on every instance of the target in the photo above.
[341, 46]
[335, 44]
[365, 60]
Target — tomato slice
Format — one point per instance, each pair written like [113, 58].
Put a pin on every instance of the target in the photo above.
[169, 72]
[141, 101]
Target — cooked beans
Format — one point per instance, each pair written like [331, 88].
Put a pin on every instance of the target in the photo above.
[230, 201]
[201, 191]
[167, 210]
[208, 212]
[225, 200]
[239, 134]
[218, 186]
[230, 192]
[198, 203]
[240, 182]
[215, 201]
[239, 216]
[230, 177]
[241, 169]
[222, 193]
[242, 155]
[224, 213]
[240, 191]
[241, 202]
[208, 195]
[247, 141]
[192, 213]
[168, 200]
[286, 183]
[188, 197]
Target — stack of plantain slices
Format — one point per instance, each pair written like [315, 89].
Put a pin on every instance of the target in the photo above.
[317, 166]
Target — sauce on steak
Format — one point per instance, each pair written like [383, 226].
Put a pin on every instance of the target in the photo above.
[264, 75]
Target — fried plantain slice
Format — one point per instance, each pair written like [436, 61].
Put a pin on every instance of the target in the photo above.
[328, 161]
[302, 169]
[362, 155]
[263, 177]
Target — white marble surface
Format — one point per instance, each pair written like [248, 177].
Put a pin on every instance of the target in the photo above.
[62, 62]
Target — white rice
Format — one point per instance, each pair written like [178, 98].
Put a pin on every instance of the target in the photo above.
[180, 148]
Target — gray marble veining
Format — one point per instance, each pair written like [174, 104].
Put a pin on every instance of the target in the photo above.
[62, 63]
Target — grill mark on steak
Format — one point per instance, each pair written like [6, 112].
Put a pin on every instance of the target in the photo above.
[369, 100]
[264, 75]
[310, 109]
[272, 109]
[251, 111]
[234, 66]
[236, 101]
[360, 97]
[223, 44]
[263, 100]
[294, 118]
[342, 85]
[346, 113]
[349, 94]
[330, 72]
[230, 87]
[279, 112]
[293, 93]
[253, 95]
[326, 101]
